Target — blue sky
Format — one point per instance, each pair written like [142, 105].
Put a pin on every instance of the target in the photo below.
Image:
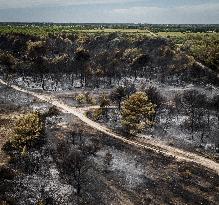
[107, 11]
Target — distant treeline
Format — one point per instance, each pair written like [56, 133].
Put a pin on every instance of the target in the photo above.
[193, 28]
[153, 27]
[100, 57]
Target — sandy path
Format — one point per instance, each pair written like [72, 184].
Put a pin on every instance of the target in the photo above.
[157, 147]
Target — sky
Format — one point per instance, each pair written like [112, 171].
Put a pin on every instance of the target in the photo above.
[111, 11]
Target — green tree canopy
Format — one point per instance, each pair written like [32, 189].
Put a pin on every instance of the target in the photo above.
[137, 112]
[28, 130]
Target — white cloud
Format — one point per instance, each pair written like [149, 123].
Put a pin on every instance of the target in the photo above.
[5, 4]
[184, 14]
[194, 13]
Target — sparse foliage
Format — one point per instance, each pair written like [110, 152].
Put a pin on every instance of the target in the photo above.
[117, 95]
[82, 57]
[81, 98]
[89, 98]
[74, 161]
[8, 59]
[97, 114]
[104, 101]
[34, 49]
[53, 111]
[155, 97]
[192, 101]
[215, 105]
[108, 159]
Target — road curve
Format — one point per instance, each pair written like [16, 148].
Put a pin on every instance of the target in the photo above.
[179, 154]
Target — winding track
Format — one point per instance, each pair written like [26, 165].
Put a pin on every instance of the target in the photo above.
[155, 146]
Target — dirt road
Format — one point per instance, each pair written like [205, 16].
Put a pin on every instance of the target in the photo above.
[157, 147]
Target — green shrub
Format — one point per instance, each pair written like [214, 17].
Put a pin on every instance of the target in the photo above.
[137, 113]
[80, 98]
[97, 114]
[28, 131]
[41, 202]
[89, 99]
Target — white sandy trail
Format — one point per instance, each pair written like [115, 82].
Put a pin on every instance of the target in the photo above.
[157, 147]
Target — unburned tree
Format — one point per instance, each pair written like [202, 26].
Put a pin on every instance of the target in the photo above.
[28, 131]
[137, 113]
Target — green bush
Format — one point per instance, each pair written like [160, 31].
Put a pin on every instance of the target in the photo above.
[137, 113]
[41, 202]
[28, 131]
[97, 114]
[89, 99]
[80, 98]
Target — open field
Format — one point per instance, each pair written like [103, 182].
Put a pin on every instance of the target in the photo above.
[188, 34]
[45, 30]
